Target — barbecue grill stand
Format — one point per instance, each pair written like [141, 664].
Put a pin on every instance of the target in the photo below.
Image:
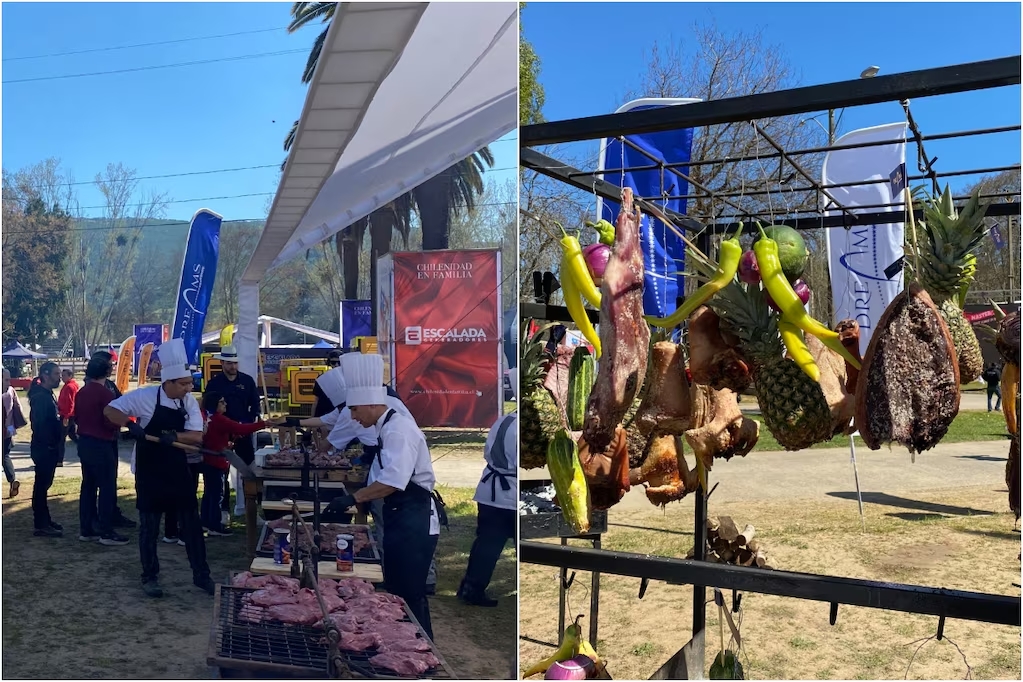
[688, 662]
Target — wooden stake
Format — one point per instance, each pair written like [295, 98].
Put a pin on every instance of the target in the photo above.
[727, 528]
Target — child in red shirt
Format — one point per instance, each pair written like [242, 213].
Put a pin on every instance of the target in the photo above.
[220, 435]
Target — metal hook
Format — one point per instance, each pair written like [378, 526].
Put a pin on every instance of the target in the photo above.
[643, 584]
[719, 599]
[833, 616]
[736, 601]
[568, 583]
[941, 627]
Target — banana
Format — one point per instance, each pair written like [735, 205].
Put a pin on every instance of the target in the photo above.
[568, 648]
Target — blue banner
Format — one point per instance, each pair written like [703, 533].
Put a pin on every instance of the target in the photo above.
[147, 333]
[663, 252]
[356, 320]
[198, 272]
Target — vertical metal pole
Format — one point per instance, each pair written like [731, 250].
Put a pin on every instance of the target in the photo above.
[562, 578]
[594, 598]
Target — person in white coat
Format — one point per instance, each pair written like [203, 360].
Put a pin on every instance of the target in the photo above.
[402, 476]
[497, 515]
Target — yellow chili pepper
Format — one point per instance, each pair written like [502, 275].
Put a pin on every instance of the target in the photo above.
[728, 265]
[574, 303]
[573, 266]
[792, 310]
[797, 349]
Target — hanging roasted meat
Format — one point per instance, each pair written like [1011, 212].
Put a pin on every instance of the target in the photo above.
[607, 473]
[719, 428]
[624, 334]
[712, 360]
[833, 368]
[665, 406]
[665, 471]
[908, 388]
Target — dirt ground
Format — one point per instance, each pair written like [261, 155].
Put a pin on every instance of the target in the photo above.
[960, 538]
[74, 610]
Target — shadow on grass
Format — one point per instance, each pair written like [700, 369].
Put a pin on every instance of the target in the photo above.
[910, 516]
[982, 458]
[905, 503]
[999, 534]
[656, 530]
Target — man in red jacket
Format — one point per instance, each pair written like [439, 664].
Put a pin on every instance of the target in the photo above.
[66, 410]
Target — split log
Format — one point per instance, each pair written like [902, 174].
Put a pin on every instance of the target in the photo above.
[746, 535]
[727, 528]
[713, 557]
[727, 555]
[719, 544]
[745, 557]
[753, 545]
[735, 546]
[712, 526]
[760, 558]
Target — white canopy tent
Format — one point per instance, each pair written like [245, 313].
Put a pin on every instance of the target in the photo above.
[401, 92]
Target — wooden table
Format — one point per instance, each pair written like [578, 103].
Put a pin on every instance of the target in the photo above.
[325, 569]
[352, 480]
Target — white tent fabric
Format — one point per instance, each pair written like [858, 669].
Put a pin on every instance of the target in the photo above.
[401, 92]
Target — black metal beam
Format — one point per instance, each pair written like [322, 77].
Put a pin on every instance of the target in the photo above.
[944, 80]
[976, 606]
[553, 313]
[589, 182]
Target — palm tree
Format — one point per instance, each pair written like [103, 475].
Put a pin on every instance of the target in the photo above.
[436, 200]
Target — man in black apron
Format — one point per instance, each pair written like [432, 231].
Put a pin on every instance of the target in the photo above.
[497, 515]
[403, 477]
[163, 479]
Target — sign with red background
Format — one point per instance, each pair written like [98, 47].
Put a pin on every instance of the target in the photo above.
[447, 336]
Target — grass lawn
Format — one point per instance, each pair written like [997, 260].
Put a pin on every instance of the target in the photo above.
[87, 597]
[964, 539]
[968, 426]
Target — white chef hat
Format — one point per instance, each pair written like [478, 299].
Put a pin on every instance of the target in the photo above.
[332, 383]
[173, 360]
[364, 376]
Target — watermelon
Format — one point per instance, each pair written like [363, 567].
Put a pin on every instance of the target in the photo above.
[791, 250]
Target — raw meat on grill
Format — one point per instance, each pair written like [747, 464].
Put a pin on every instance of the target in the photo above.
[328, 536]
[330, 600]
[295, 614]
[252, 614]
[361, 642]
[405, 663]
[295, 458]
[417, 644]
[345, 622]
[246, 579]
[351, 587]
[391, 631]
[290, 583]
[368, 613]
[272, 595]
[624, 334]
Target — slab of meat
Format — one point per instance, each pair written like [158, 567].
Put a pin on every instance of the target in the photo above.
[294, 614]
[624, 334]
[391, 632]
[712, 360]
[607, 473]
[908, 388]
[367, 613]
[240, 579]
[288, 583]
[665, 407]
[664, 471]
[328, 536]
[405, 663]
[351, 587]
[252, 614]
[269, 596]
[330, 600]
[246, 579]
[344, 621]
[354, 642]
[417, 644]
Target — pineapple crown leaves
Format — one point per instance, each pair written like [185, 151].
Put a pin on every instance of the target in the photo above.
[534, 356]
[744, 312]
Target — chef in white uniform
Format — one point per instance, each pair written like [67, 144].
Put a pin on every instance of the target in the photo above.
[402, 476]
[497, 500]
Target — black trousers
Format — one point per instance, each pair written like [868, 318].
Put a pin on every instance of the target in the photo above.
[187, 516]
[8, 464]
[98, 500]
[494, 528]
[71, 430]
[171, 524]
[410, 548]
[45, 461]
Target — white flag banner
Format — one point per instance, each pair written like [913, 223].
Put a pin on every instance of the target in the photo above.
[858, 256]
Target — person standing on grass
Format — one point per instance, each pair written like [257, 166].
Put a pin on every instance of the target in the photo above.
[97, 450]
[66, 409]
[239, 390]
[120, 520]
[13, 420]
[164, 482]
[992, 377]
[497, 515]
[46, 445]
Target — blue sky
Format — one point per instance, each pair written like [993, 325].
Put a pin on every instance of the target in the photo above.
[227, 114]
[591, 53]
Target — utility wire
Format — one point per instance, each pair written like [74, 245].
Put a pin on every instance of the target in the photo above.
[130, 47]
[159, 66]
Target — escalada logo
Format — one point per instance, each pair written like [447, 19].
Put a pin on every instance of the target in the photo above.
[415, 336]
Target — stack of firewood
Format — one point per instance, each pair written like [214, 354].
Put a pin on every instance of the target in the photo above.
[727, 545]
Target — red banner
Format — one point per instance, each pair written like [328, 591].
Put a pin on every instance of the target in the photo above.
[447, 336]
[982, 316]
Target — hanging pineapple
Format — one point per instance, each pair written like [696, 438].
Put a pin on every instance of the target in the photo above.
[947, 264]
[539, 414]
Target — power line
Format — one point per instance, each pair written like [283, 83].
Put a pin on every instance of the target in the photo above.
[129, 47]
[160, 66]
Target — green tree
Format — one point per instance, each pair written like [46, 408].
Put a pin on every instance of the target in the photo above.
[531, 93]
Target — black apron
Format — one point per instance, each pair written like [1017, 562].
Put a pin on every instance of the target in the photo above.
[500, 457]
[163, 479]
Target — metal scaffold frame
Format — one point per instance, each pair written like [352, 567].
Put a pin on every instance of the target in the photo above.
[688, 662]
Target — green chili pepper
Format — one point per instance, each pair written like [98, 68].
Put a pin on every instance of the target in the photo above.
[573, 266]
[791, 307]
[798, 352]
[605, 231]
[728, 265]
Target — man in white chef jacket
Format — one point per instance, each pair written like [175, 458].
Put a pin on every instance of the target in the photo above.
[402, 476]
[343, 430]
[163, 480]
[497, 500]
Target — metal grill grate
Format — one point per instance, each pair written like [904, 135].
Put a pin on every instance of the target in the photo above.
[274, 647]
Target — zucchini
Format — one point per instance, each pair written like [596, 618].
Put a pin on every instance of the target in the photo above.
[581, 377]
[569, 482]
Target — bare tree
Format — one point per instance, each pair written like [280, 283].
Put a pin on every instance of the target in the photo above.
[237, 244]
[998, 269]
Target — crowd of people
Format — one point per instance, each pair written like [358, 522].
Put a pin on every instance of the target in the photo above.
[352, 407]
